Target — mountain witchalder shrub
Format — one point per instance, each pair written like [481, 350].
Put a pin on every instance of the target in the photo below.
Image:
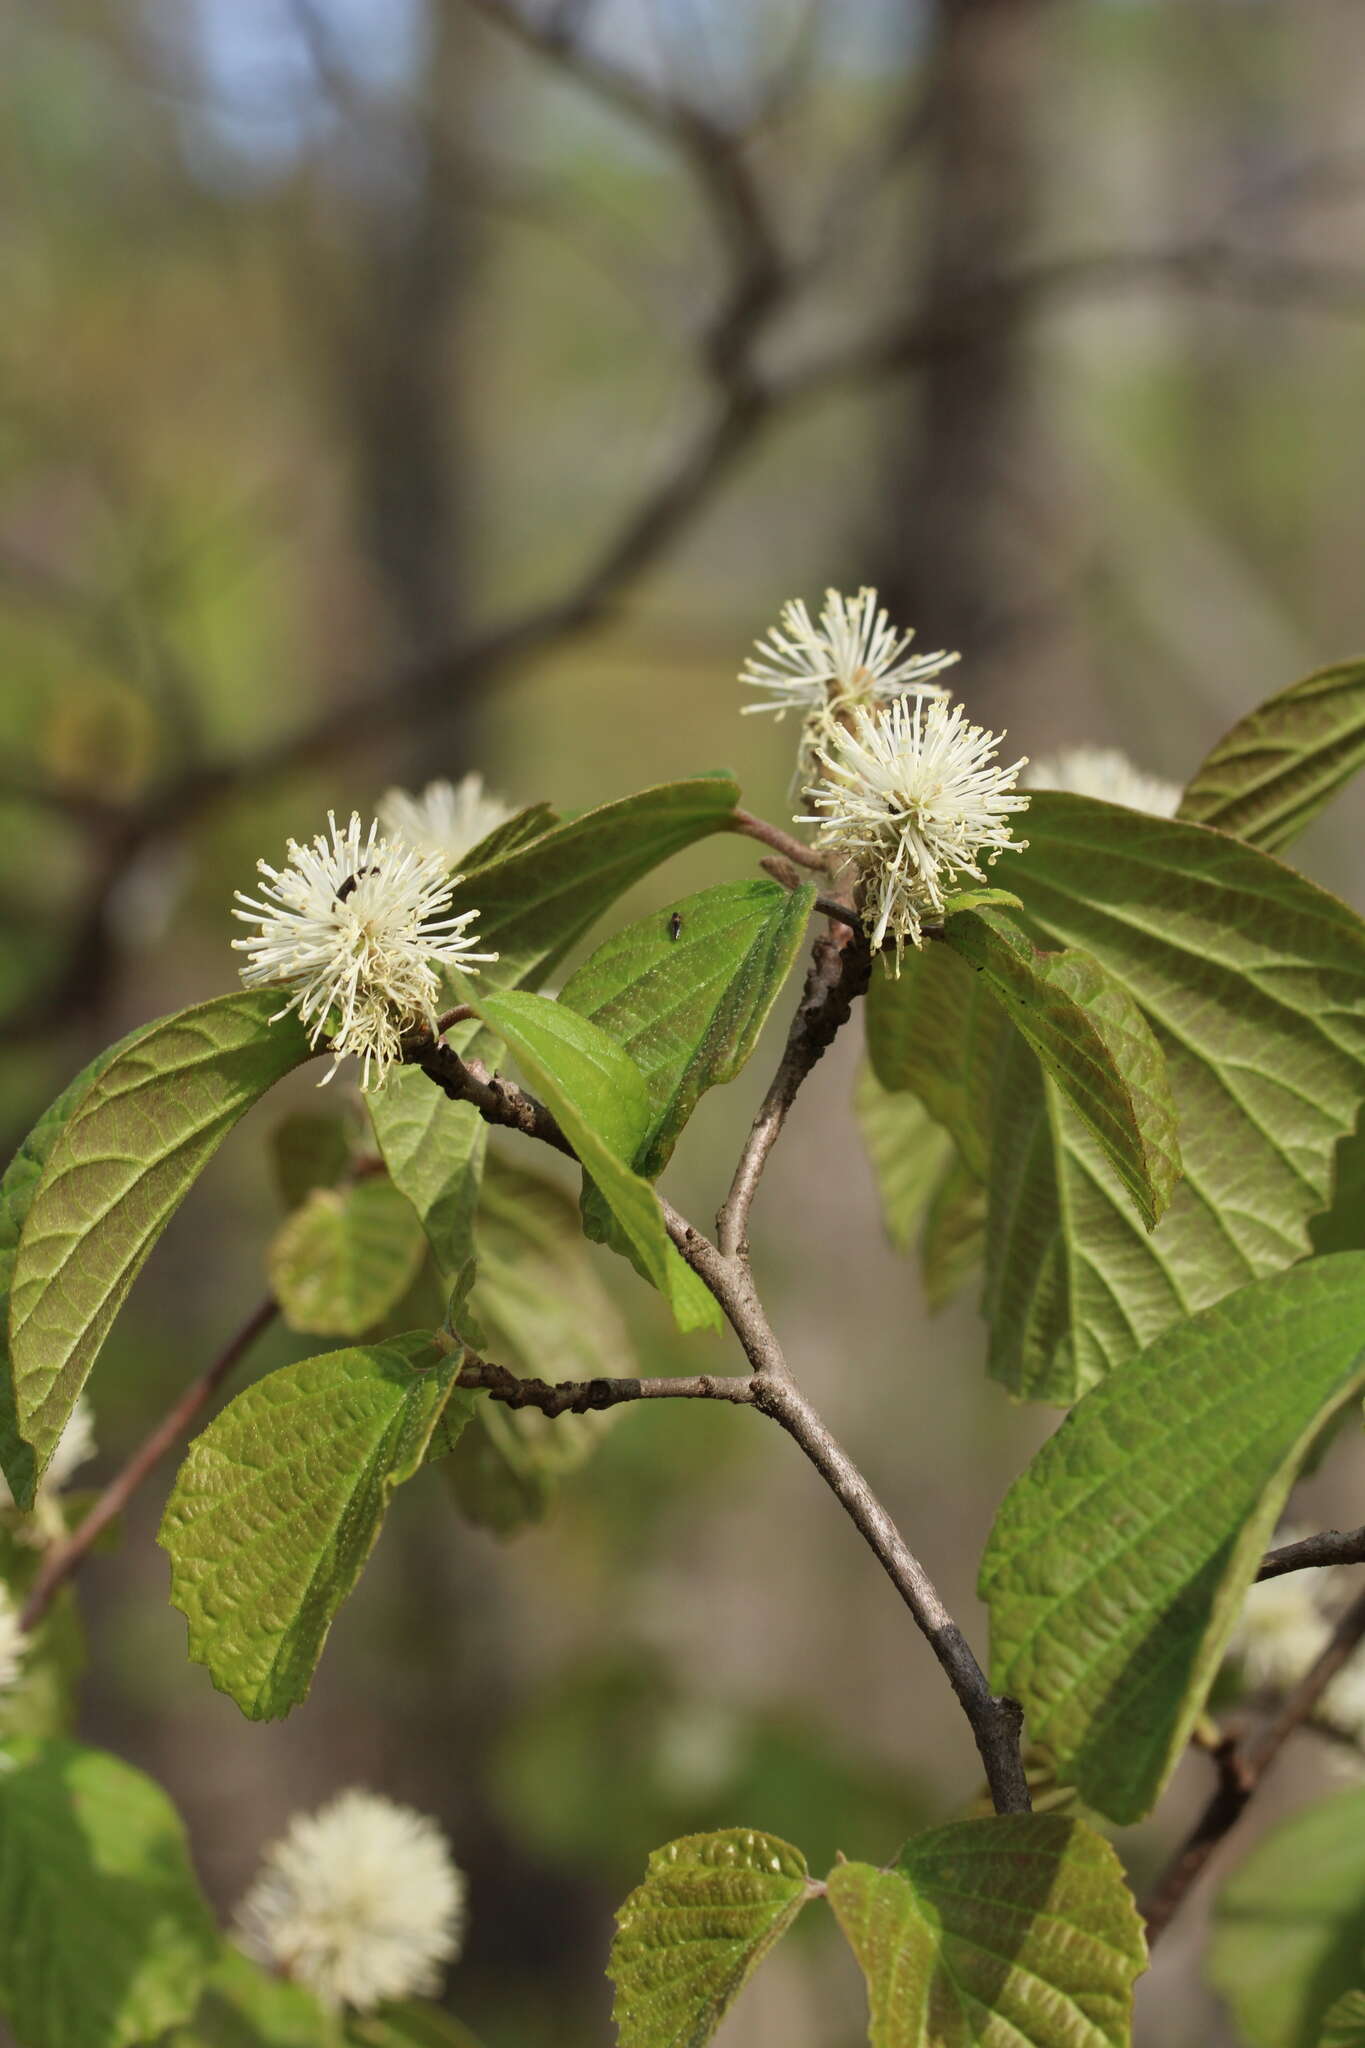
[1115, 1087]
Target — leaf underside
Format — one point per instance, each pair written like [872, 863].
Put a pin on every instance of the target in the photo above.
[1270, 776]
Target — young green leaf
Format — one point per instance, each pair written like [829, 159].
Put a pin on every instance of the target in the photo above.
[434, 1149]
[687, 1940]
[1254, 983]
[547, 1315]
[1094, 1043]
[687, 990]
[17, 1189]
[537, 900]
[908, 1150]
[937, 1031]
[1344, 2024]
[121, 1165]
[1289, 1925]
[1277, 768]
[1018, 1928]
[599, 1098]
[343, 1260]
[244, 2006]
[281, 1500]
[105, 1939]
[1119, 1559]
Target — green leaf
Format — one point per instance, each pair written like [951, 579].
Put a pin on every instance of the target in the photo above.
[516, 831]
[1289, 1926]
[1017, 1928]
[1254, 983]
[689, 1010]
[1278, 767]
[281, 1500]
[120, 1167]
[105, 1939]
[954, 1239]
[343, 1260]
[536, 901]
[598, 1096]
[687, 1940]
[908, 1150]
[937, 1031]
[1341, 1226]
[1120, 1557]
[308, 1149]
[17, 1189]
[245, 2006]
[1093, 1042]
[546, 1315]
[1344, 2026]
[434, 1148]
[410, 2025]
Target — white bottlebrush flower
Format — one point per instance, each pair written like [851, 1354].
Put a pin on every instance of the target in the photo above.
[351, 926]
[853, 657]
[13, 1642]
[912, 796]
[360, 1902]
[446, 818]
[1106, 772]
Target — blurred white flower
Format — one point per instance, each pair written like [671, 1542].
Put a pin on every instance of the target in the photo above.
[1105, 772]
[1342, 1706]
[446, 818]
[1281, 1628]
[75, 1446]
[13, 1641]
[912, 796]
[360, 1902]
[352, 926]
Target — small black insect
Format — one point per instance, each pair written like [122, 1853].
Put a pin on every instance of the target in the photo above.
[351, 882]
[675, 925]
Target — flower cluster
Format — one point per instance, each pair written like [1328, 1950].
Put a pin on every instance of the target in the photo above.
[360, 1902]
[1106, 772]
[912, 796]
[447, 818]
[853, 659]
[351, 927]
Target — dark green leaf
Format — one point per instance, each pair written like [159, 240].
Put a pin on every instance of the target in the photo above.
[281, 1501]
[1017, 1928]
[908, 1150]
[937, 1031]
[598, 1095]
[1341, 1226]
[546, 1315]
[105, 1939]
[535, 902]
[1289, 1926]
[710, 1908]
[1120, 1558]
[434, 1149]
[514, 832]
[17, 1189]
[954, 1239]
[1344, 2026]
[689, 1010]
[342, 1261]
[309, 1149]
[1254, 983]
[120, 1167]
[1093, 1042]
[1273, 773]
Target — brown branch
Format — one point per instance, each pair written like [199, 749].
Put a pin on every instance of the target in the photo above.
[839, 973]
[583, 1397]
[1241, 1770]
[785, 843]
[1331, 1547]
[63, 1559]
